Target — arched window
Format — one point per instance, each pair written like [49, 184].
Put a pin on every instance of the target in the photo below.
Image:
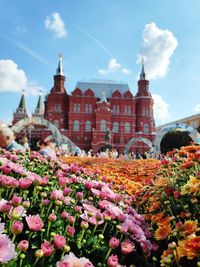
[76, 126]
[88, 126]
[56, 123]
[127, 128]
[146, 128]
[115, 127]
[103, 126]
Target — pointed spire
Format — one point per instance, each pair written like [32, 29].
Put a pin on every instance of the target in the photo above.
[39, 108]
[22, 104]
[60, 68]
[142, 74]
[103, 98]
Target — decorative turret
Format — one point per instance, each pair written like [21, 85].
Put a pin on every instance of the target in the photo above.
[39, 108]
[143, 84]
[39, 111]
[56, 102]
[144, 106]
[21, 112]
[22, 104]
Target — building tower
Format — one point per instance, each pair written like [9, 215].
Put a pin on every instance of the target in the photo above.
[56, 102]
[21, 112]
[145, 124]
[39, 111]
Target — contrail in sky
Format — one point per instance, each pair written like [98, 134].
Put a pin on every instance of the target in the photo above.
[94, 40]
[26, 49]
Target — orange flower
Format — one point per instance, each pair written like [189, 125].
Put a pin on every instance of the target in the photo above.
[190, 227]
[154, 206]
[189, 248]
[157, 217]
[163, 231]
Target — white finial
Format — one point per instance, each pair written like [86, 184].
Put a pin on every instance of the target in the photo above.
[60, 68]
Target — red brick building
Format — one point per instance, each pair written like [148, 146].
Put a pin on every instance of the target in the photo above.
[91, 108]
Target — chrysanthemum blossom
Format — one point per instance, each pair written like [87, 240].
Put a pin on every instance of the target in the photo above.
[7, 249]
[47, 248]
[34, 222]
[112, 261]
[71, 260]
[59, 241]
[127, 247]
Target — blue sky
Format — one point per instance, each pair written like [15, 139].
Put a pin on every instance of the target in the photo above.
[101, 40]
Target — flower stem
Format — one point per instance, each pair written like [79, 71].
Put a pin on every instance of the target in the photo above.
[107, 254]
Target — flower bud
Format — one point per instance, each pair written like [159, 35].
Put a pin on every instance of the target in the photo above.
[39, 253]
[23, 245]
[66, 248]
[52, 217]
[17, 227]
[84, 225]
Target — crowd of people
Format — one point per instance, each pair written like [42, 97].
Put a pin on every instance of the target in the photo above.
[48, 148]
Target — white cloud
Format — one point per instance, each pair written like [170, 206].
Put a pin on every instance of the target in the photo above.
[161, 110]
[197, 108]
[13, 79]
[157, 48]
[102, 72]
[56, 24]
[126, 71]
[113, 65]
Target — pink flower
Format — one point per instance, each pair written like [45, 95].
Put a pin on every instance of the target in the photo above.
[5, 206]
[34, 222]
[127, 247]
[59, 241]
[57, 195]
[52, 217]
[64, 214]
[66, 191]
[24, 183]
[62, 181]
[70, 231]
[72, 261]
[114, 242]
[79, 195]
[112, 261]
[47, 248]
[16, 201]
[23, 245]
[7, 249]
[45, 202]
[17, 227]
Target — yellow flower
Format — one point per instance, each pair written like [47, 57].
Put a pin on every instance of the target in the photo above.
[192, 186]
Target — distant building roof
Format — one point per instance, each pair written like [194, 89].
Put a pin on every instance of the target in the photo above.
[100, 86]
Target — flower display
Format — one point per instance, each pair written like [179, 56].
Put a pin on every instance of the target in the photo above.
[59, 214]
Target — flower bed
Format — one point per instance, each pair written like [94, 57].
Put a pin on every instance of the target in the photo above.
[132, 174]
[171, 206]
[54, 214]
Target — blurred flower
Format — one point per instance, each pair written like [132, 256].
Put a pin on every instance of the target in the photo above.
[112, 261]
[71, 260]
[7, 249]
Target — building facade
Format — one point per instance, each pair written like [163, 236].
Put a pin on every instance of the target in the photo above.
[92, 108]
